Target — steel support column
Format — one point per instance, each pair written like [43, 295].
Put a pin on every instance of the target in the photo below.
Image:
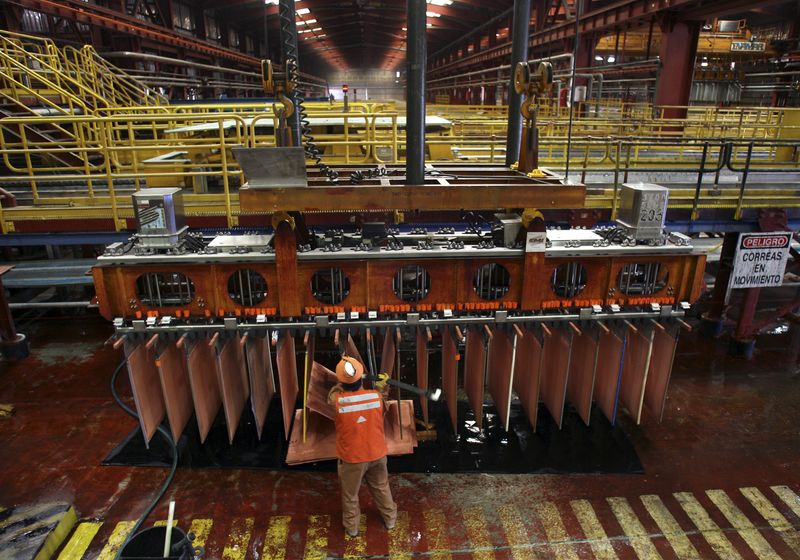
[416, 56]
[678, 51]
[712, 320]
[289, 49]
[743, 342]
[519, 53]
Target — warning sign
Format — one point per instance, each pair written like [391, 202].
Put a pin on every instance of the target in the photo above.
[760, 260]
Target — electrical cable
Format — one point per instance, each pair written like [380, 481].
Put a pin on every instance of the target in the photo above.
[293, 70]
[167, 482]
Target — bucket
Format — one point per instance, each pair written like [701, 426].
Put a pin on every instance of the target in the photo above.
[149, 545]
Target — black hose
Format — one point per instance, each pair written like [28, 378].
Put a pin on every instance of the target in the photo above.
[163, 431]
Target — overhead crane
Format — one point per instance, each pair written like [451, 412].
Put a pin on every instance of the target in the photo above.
[558, 315]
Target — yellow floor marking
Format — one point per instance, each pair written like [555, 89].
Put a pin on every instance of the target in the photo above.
[238, 539]
[356, 547]
[789, 497]
[118, 536]
[683, 547]
[636, 533]
[751, 535]
[595, 534]
[200, 528]
[163, 523]
[557, 536]
[475, 522]
[80, 541]
[775, 518]
[317, 537]
[436, 533]
[276, 537]
[710, 530]
[516, 534]
[399, 537]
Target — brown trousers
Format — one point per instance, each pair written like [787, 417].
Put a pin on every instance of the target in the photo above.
[377, 478]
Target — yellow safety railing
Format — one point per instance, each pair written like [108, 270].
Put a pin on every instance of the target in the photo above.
[88, 165]
[66, 80]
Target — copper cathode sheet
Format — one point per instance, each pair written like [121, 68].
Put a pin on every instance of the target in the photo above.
[635, 367]
[655, 394]
[174, 376]
[527, 374]
[422, 369]
[474, 371]
[321, 382]
[450, 375]
[287, 375]
[500, 373]
[557, 352]
[609, 368]
[233, 383]
[320, 444]
[261, 377]
[205, 388]
[146, 387]
[582, 368]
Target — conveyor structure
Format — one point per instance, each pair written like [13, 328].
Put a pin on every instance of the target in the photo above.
[582, 316]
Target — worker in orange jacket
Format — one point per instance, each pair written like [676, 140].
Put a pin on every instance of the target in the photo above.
[360, 445]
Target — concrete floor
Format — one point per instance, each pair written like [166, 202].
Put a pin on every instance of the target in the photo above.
[722, 474]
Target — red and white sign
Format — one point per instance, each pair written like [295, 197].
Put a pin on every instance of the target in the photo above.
[760, 260]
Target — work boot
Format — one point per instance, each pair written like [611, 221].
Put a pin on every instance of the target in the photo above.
[389, 524]
[351, 532]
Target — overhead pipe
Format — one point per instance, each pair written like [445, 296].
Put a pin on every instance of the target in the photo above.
[415, 91]
[200, 65]
[481, 27]
[519, 53]
[504, 67]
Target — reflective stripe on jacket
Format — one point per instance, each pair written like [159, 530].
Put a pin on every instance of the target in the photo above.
[359, 426]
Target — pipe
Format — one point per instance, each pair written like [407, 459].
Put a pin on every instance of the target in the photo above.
[51, 305]
[177, 62]
[519, 53]
[504, 67]
[497, 18]
[415, 91]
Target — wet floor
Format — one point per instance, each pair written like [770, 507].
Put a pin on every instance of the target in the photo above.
[720, 476]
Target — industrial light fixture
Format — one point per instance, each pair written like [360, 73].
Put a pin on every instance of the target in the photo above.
[612, 58]
[303, 11]
[598, 58]
[433, 14]
[308, 21]
[440, 2]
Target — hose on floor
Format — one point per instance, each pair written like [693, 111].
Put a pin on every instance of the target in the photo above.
[161, 430]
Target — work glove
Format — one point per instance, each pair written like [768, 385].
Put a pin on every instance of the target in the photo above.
[383, 380]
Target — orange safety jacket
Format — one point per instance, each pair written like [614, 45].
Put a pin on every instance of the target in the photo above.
[359, 426]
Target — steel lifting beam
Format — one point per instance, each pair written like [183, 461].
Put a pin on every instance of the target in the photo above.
[477, 197]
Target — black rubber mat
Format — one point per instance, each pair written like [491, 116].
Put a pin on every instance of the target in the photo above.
[576, 448]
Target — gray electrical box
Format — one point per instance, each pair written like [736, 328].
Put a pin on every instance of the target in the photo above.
[642, 210]
[159, 214]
